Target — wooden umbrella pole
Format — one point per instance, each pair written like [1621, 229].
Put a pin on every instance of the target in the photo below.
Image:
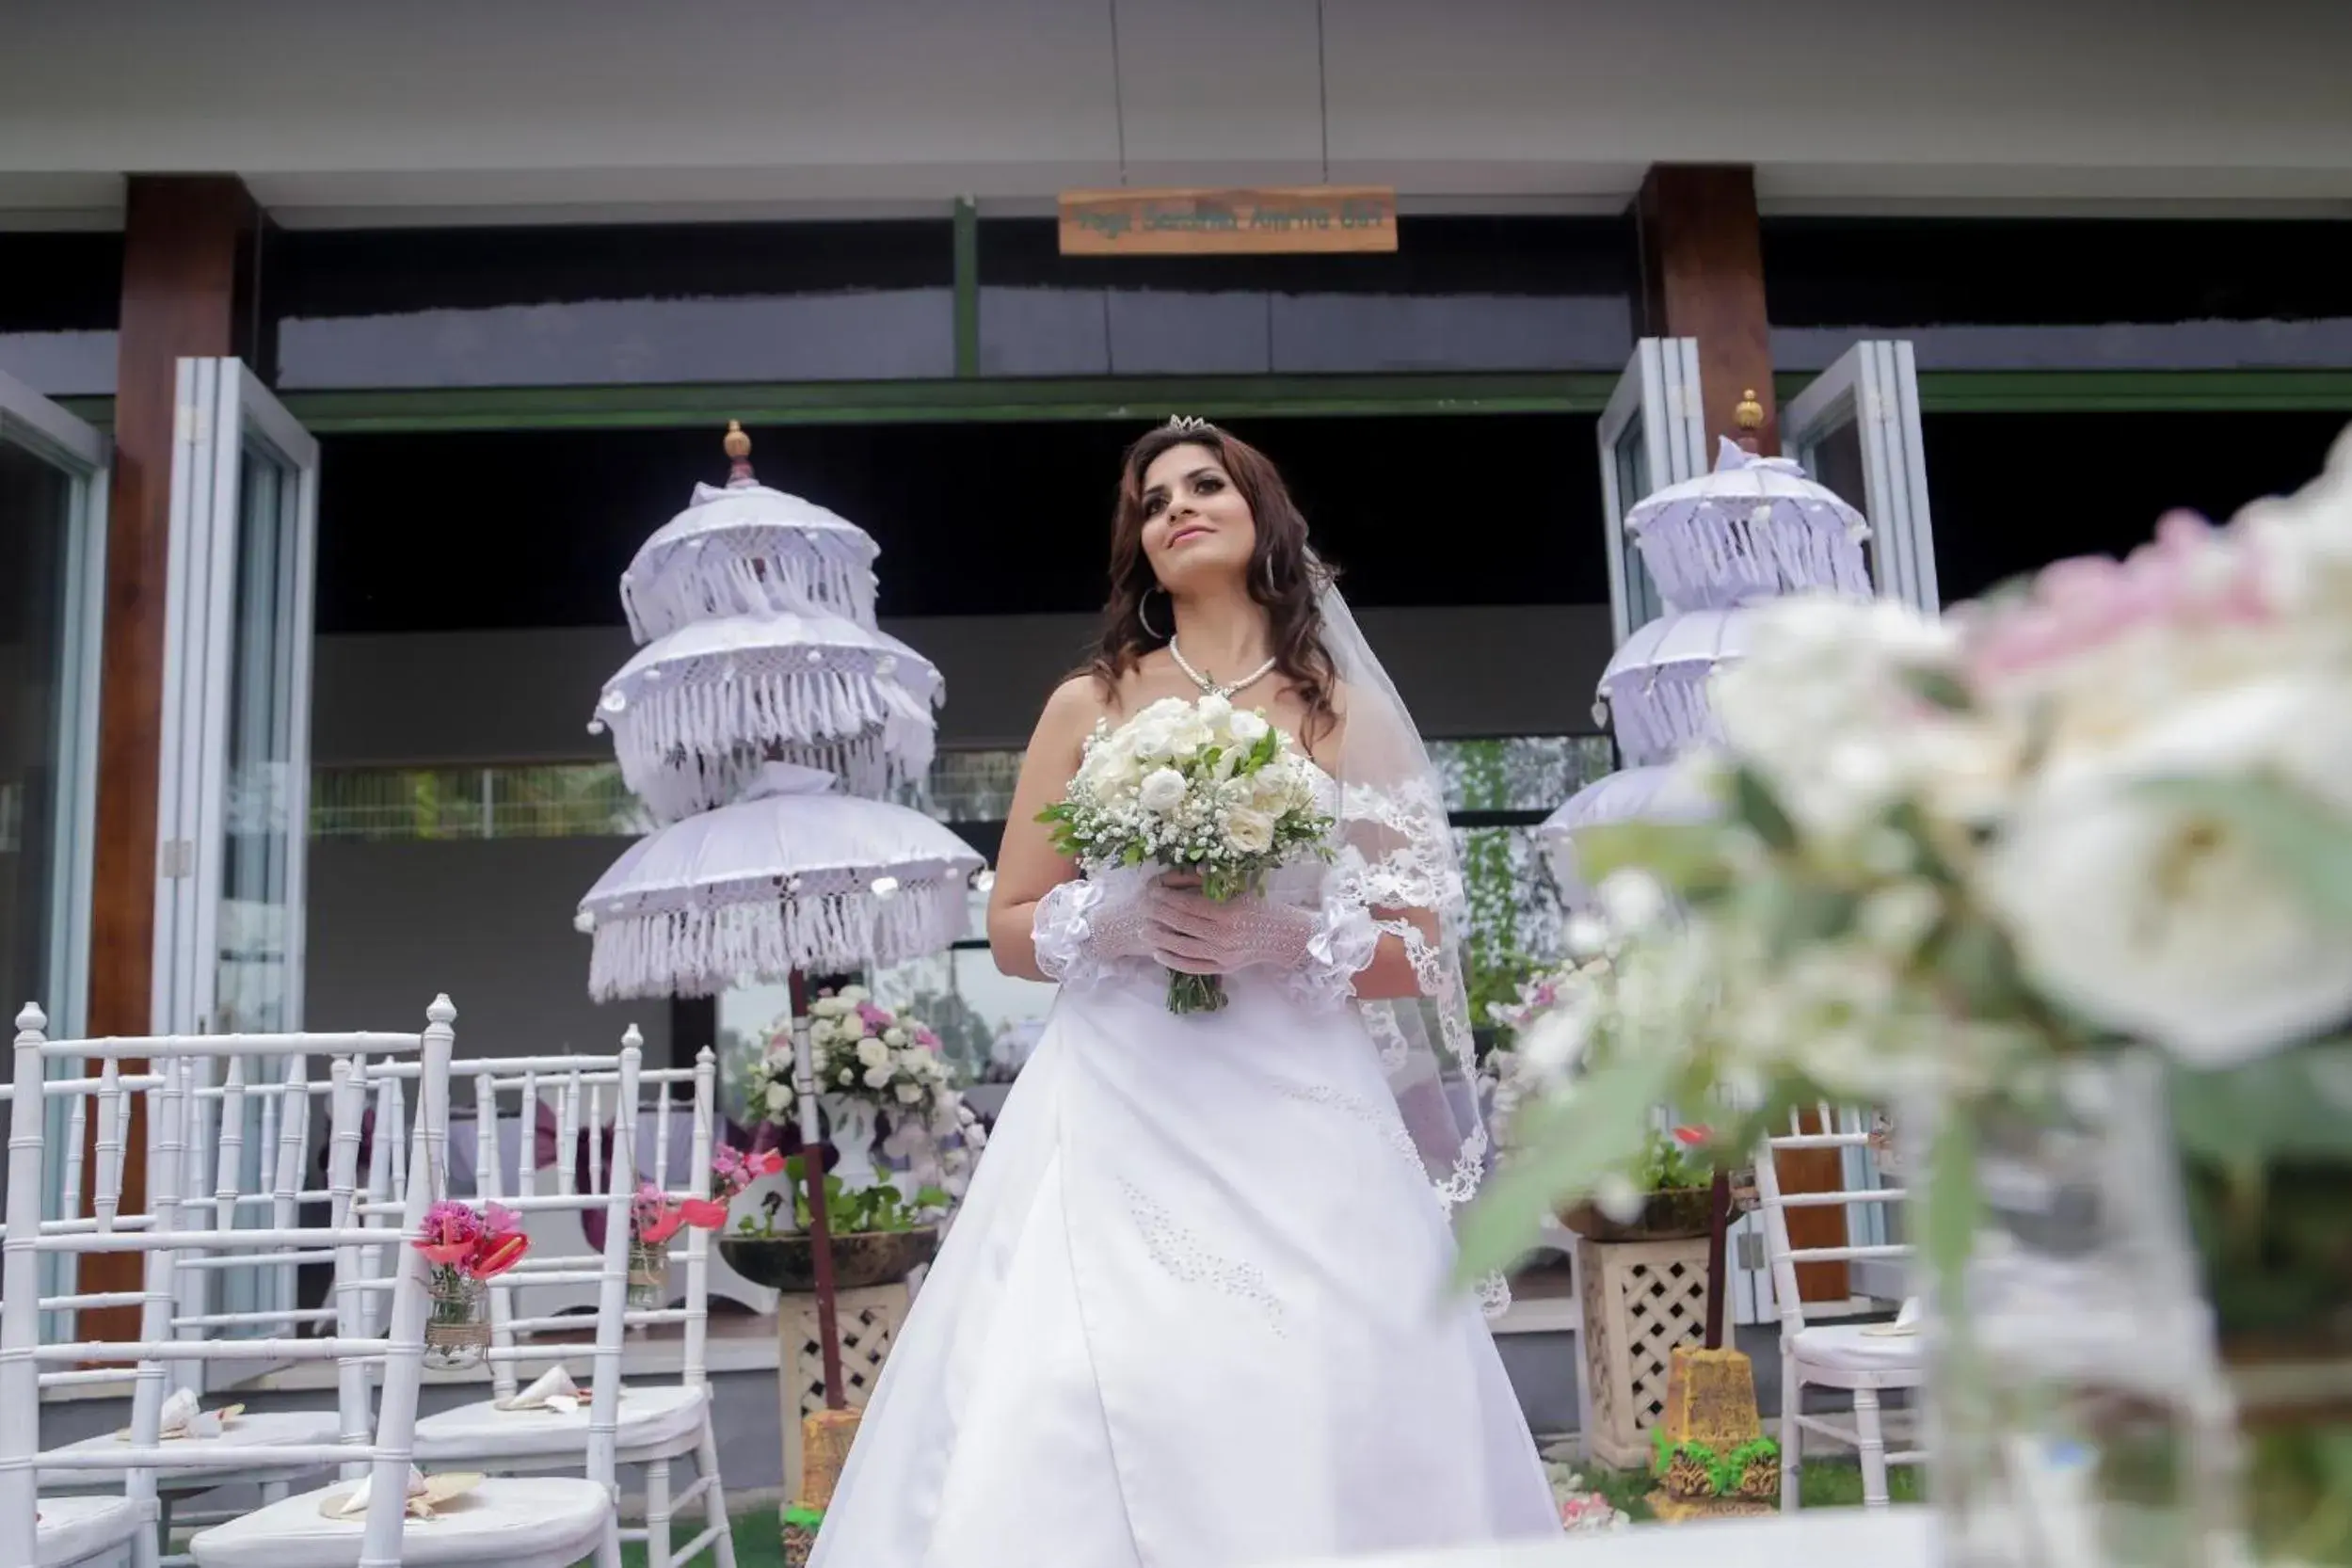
[1719, 1225]
[812, 1167]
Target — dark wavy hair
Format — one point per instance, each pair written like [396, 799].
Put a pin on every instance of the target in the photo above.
[1284, 575]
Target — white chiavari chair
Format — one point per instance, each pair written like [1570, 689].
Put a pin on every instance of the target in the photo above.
[213, 1192]
[660, 1421]
[542, 1524]
[1863, 1359]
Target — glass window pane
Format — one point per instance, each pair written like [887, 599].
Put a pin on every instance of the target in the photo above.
[1497, 294]
[254, 914]
[1518, 773]
[37, 502]
[615, 304]
[2091, 300]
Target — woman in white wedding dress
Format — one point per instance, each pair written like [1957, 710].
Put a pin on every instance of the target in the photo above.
[1193, 1311]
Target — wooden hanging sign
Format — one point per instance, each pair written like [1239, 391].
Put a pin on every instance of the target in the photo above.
[1297, 219]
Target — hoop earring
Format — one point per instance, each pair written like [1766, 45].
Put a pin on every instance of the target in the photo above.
[1144, 605]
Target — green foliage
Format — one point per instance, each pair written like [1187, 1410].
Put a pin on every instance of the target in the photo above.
[1494, 959]
[847, 1212]
[1667, 1166]
[1725, 1470]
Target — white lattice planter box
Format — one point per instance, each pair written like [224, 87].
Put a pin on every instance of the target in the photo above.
[870, 1319]
[1641, 1300]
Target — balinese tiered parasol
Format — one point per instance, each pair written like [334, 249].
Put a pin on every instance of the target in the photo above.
[765, 713]
[1661, 792]
[696, 712]
[1654, 690]
[1753, 529]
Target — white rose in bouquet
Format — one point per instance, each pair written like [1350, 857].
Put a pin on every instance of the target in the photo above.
[2155, 903]
[878, 1078]
[1221, 795]
[1249, 830]
[872, 1052]
[1163, 791]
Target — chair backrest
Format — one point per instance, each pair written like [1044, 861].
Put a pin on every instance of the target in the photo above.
[1848, 1136]
[588, 1181]
[247, 1153]
[171, 1088]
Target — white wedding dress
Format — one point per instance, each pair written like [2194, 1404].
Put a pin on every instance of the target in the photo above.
[1193, 1311]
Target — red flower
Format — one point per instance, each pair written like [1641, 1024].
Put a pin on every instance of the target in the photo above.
[498, 1253]
[657, 1228]
[1691, 1136]
[767, 1162]
[703, 1213]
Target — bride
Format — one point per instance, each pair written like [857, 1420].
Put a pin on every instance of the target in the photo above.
[1192, 1312]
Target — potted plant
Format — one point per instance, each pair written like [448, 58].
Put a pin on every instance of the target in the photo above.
[879, 1235]
[1665, 1199]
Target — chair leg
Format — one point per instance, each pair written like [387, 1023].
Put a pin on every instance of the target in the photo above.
[657, 1513]
[608, 1549]
[1792, 1434]
[714, 1495]
[1871, 1441]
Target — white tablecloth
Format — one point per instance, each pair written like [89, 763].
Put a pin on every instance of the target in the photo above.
[1819, 1538]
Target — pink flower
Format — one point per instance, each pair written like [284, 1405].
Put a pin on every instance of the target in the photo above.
[450, 1231]
[2191, 574]
[875, 1019]
[924, 1038]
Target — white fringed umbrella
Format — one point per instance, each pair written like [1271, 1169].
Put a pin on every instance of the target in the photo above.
[747, 550]
[1655, 685]
[1753, 528]
[793, 877]
[1663, 793]
[696, 712]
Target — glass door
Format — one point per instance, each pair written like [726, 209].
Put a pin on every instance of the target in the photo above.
[1856, 429]
[53, 546]
[234, 798]
[1651, 435]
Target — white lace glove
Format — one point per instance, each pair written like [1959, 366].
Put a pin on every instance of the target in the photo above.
[1080, 935]
[1192, 934]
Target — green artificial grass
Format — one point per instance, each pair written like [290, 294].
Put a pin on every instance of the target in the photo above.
[1827, 1483]
[759, 1542]
[1823, 1484]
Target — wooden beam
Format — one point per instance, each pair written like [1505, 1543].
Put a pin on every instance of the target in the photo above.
[1703, 277]
[189, 265]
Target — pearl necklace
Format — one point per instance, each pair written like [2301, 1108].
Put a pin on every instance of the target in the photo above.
[1211, 688]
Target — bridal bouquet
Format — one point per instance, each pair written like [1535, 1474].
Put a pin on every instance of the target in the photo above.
[1978, 865]
[1200, 789]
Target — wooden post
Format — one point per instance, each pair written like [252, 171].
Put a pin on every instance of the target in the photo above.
[190, 253]
[820, 1232]
[1703, 277]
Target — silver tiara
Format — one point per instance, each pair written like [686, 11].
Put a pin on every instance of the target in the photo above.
[1185, 425]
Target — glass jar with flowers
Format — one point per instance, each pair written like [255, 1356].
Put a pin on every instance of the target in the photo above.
[655, 1217]
[2064, 880]
[464, 1248]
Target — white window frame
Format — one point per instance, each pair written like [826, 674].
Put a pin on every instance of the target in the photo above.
[1656, 401]
[1873, 387]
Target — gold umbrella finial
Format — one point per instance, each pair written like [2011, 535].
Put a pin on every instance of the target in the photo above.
[738, 446]
[1749, 416]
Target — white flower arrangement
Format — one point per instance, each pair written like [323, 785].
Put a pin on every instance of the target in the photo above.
[861, 1051]
[1202, 789]
[1952, 856]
